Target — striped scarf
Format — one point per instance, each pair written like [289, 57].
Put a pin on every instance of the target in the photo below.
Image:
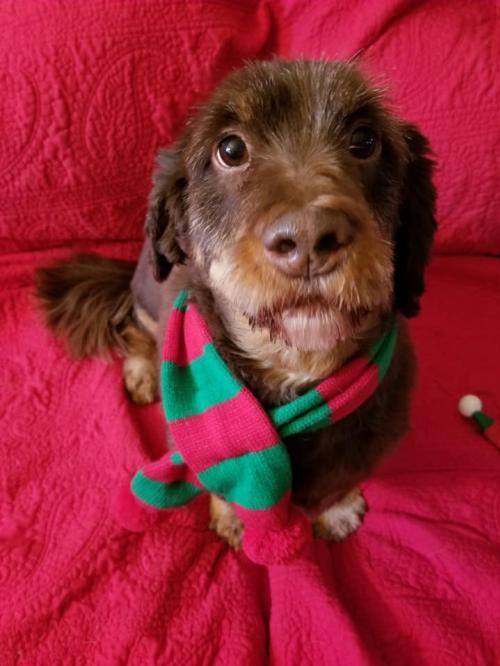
[227, 443]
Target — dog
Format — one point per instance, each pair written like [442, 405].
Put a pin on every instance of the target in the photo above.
[300, 212]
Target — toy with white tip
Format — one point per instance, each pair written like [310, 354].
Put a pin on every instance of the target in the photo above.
[471, 406]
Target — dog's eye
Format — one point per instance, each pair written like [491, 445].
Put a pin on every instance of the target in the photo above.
[232, 151]
[363, 143]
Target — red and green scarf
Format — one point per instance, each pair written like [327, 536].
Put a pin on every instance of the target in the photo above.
[227, 443]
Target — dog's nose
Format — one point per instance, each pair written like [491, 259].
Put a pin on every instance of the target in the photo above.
[306, 244]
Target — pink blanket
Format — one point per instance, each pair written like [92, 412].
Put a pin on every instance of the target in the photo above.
[89, 90]
[418, 584]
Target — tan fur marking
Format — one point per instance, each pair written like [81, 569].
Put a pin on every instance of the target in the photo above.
[361, 279]
[140, 366]
[139, 375]
[225, 522]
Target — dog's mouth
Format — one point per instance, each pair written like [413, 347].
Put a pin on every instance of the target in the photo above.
[309, 327]
[308, 315]
[317, 330]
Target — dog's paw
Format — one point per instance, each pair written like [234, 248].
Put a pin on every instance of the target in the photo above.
[225, 522]
[341, 519]
[139, 376]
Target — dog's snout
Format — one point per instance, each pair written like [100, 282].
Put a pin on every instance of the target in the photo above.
[305, 244]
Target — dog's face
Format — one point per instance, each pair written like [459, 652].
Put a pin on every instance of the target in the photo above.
[300, 200]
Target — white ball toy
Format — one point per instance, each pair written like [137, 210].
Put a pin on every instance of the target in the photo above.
[469, 405]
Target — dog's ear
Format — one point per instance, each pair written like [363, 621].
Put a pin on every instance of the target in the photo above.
[166, 213]
[417, 224]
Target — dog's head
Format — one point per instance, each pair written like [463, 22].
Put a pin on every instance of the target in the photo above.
[301, 201]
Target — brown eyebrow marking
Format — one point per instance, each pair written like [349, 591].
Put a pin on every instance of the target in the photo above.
[368, 111]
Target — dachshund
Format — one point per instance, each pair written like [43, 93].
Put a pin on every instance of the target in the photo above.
[300, 212]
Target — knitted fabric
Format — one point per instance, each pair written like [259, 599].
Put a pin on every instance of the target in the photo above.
[226, 443]
[489, 427]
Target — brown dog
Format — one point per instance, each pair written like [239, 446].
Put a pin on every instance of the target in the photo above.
[301, 214]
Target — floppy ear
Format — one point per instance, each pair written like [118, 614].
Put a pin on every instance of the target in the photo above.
[166, 213]
[417, 224]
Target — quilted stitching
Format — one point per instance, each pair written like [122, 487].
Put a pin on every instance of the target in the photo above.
[89, 90]
[417, 582]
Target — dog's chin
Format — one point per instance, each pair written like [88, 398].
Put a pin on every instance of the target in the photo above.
[308, 328]
[320, 330]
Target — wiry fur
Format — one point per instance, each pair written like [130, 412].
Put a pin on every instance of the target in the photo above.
[87, 301]
[296, 119]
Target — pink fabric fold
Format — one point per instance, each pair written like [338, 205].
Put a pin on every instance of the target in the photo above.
[414, 585]
[89, 92]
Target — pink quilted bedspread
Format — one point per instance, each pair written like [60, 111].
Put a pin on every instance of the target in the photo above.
[88, 91]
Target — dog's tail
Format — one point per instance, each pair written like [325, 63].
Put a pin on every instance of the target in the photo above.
[88, 301]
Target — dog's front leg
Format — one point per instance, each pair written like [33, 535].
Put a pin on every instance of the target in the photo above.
[342, 518]
[225, 522]
[140, 367]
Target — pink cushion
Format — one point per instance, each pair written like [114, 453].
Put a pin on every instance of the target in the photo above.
[90, 90]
